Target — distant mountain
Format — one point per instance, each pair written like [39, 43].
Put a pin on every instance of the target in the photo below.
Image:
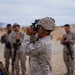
[2, 24]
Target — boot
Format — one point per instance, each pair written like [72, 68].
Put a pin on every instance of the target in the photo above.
[23, 73]
[72, 72]
[7, 70]
[68, 72]
[17, 73]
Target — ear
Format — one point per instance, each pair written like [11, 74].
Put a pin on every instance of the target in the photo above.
[42, 30]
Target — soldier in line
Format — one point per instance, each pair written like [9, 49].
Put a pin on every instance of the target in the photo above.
[7, 49]
[68, 41]
[39, 51]
[17, 37]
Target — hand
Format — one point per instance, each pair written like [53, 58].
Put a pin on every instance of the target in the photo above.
[64, 36]
[18, 37]
[30, 31]
[65, 41]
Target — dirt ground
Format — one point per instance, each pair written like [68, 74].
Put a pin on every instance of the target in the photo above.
[58, 66]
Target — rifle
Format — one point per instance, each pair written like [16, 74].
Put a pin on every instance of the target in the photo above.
[7, 43]
[69, 49]
[15, 46]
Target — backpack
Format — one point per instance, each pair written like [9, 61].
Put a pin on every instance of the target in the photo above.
[2, 73]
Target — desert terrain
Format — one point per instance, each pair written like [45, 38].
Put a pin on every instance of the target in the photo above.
[58, 66]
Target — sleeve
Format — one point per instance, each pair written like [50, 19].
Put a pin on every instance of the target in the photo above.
[22, 37]
[73, 39]
[33, 49]
[26, 40]
[3, 36]
[12, 39]
[62, 41]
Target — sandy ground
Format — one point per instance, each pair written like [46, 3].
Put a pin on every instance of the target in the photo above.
[58, 65]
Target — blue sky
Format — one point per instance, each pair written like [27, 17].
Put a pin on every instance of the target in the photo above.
[25, 12]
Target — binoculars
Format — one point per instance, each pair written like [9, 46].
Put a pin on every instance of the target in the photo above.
[34, 25]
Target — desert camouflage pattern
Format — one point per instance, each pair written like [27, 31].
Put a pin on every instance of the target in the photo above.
[7, 51]
[39, 55]
[70, 64]
[19, 54]
[47, 23]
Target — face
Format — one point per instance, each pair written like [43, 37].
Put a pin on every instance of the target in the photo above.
[40, 32]
[67, 29]
[16, 28]
[30, 31]
[9, 28]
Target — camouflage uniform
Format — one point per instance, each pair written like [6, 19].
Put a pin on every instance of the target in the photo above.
[39, 52]
[40, 56]
[69, 62]
[7, 51]
[19, 54]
